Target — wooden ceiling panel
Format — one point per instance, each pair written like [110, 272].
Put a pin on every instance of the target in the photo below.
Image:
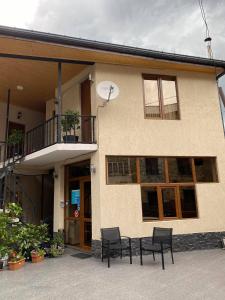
[39, 80]
[20, 46]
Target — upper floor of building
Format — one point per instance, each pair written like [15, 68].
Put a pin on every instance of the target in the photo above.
[51, 85]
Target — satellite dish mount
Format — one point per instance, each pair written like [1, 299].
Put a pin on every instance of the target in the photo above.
[107, 90]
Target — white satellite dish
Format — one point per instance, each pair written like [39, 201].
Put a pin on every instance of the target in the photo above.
[107, 90]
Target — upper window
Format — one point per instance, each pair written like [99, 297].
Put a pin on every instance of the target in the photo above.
[160, 95]
[125, 169]
[121, 169]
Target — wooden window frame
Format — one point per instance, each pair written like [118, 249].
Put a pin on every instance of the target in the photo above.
[166, 170]
[159, 79]
[167, 184]
[176, 187]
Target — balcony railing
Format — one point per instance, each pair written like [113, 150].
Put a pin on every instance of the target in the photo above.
[61, 129]
[11, 153]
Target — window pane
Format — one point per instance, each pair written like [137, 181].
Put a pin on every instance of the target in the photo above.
[170, 107]
[205, 169]
[188, 202]
[121, 169]
[152, 106]
[149, 203]
[169, 204]
[152, 169]
[180, 170]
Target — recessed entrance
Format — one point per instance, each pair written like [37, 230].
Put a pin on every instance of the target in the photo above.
[78, 231]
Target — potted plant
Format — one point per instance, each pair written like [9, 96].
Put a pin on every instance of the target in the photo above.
[37, 255]
[1, 265]
[56, 246]
[70, 124]
[15, 212]
[3, 256]
[16, 261]
[15, 140]
[30, 237]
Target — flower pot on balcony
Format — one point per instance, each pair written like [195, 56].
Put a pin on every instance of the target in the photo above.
[70, 139]
[16, 265]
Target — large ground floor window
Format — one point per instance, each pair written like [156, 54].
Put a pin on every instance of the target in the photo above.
[167, 183]
[168, 202]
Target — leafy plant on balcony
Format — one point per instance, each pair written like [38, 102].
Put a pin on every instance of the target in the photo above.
[70, 121]
[16, 137]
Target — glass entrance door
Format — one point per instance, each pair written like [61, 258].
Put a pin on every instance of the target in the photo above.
[78, 213]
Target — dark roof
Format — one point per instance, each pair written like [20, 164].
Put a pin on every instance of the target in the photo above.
[96, 45]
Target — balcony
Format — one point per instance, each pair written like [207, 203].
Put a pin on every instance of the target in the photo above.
[58, 139]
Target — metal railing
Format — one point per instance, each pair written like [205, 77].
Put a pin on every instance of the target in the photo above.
[11, 153]
[61, 129]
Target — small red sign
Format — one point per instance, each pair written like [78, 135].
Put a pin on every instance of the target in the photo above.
[76, 213]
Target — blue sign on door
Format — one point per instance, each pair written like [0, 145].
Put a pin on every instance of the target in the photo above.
[75, 198]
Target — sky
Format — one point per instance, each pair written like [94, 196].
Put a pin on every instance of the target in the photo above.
[165, 25]
[173, 26]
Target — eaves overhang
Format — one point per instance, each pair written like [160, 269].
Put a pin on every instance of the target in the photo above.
[108, 47]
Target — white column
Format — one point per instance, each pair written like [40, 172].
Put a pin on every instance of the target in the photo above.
[58, 221]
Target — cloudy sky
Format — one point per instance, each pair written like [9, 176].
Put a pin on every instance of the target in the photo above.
[174, 26]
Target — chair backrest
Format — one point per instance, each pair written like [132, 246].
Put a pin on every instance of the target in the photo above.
[163, 235]
[110, 234]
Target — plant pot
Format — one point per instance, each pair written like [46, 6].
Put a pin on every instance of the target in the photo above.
[1, 265]
[37, 258]
[4, 260]
[13, 266]
[70, 139]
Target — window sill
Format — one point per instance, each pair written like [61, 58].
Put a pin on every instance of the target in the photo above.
[168, 219]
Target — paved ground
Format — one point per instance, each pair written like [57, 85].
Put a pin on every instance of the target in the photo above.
[195, 275]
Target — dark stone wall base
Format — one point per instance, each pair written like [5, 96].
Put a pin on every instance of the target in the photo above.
[181, 242]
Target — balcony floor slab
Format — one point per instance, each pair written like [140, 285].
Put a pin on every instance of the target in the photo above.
[57, 153]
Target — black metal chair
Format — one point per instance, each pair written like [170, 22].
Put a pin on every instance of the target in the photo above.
[113, 243]
[161, 242]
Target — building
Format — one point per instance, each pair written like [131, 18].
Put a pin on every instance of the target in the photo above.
[152, 156]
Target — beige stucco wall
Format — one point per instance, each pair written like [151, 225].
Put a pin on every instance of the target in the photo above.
[30, 118]
[70, 94]
[123, 130]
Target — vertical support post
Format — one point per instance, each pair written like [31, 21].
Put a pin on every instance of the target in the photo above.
[7, 125]
[59, 102]
[6, 149]
[42, 196]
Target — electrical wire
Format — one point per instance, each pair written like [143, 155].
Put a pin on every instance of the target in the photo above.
[207, 34]
[204, 18]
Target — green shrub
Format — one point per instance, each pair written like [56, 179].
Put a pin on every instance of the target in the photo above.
[20, 237]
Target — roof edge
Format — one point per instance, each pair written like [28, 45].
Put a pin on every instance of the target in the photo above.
[108, 47]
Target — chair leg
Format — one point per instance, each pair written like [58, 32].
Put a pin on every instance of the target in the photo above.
[102, 254]
[121, 253]
[130, 255]
[108, 256]
[141, 260]
[163, 267]
[153, 253]
[171, 250]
